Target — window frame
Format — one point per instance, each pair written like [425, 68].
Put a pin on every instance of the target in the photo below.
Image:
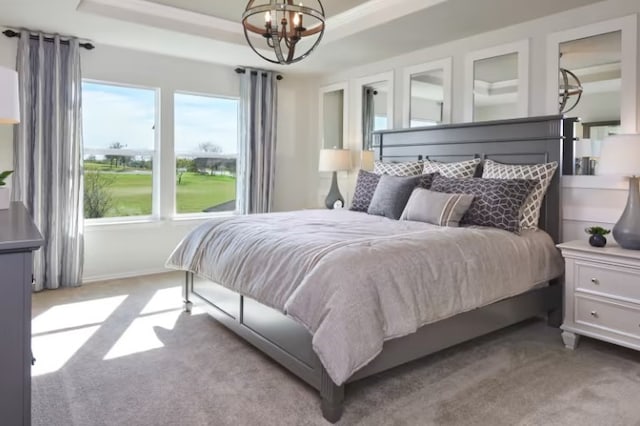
[156, 169]
[201, 215]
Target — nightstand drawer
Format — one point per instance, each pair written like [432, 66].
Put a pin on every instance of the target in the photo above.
[608, 316]
[619, 283]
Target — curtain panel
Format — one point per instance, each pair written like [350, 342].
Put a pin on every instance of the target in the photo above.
[48, 155]
[368, 117]
[257, 151]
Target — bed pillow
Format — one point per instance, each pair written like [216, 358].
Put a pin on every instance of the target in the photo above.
[542, 173]
[426, 181]
[365, 187]
[391, 195]
[437, 208]
[411, 168]
[459, 169]
[497, 202]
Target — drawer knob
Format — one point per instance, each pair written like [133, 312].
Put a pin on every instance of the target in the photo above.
[594, 314]
[595, 281]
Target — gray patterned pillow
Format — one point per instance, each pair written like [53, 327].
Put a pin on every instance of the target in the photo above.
[459, 169]
[541, 173]
[365, 187]
[497, 202]
[426, 180]
[411, 168]
[437, 208]
[392, 194]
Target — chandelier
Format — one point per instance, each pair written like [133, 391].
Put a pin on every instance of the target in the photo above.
[570, 87]
[290, 31]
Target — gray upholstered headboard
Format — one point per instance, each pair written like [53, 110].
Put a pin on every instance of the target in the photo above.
[519, 141]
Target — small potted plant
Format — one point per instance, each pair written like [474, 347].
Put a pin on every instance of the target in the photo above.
[5, 193]
[597, 238]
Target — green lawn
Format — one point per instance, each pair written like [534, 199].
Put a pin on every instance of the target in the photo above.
[131, 192]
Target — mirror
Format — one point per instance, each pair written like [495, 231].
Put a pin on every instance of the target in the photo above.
[589, 87]
[333, 120]
[427, 89]
[495, 88]
[333, 125]
[601, 60]
[497, 83]
[375, 110]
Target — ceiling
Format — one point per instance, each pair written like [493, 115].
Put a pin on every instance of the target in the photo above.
[233, 9]
[358, 31]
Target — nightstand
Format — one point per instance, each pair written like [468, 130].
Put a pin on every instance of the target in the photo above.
[602, 294]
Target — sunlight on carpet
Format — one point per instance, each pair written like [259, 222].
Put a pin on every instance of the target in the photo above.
[140, 336]
[74, 315]
[58, 348]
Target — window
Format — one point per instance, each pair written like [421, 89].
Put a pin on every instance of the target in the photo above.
[206, 147]
[119, 129]
[380, 123]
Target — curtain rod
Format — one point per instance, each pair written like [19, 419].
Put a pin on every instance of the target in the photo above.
[12, 34]
[242, 71]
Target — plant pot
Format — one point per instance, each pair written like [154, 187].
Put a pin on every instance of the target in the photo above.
[5, 197]
[597, 240]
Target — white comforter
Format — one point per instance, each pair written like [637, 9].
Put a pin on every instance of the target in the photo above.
[355, 280]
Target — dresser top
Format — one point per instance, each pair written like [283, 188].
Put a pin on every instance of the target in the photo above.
[612, 249]
[17, 230]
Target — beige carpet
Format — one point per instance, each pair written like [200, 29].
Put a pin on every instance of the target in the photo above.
[121, 353]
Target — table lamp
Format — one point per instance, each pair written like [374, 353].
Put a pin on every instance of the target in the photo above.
[9, 105]
[334, 160]
[9, 114]
[367, 160]
[620, 155]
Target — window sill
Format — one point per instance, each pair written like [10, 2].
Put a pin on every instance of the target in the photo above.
[151, 222]
[202, 217]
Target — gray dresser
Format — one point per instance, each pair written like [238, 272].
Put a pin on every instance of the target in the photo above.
[19, 237]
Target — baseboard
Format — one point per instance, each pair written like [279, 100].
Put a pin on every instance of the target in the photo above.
[123, 275]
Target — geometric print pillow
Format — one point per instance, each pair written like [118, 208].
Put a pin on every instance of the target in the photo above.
[541, 173]
[411, 168]
[459, 169]
[365, 187]
[497, 202]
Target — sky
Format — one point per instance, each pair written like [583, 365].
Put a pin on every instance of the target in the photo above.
[127, 115]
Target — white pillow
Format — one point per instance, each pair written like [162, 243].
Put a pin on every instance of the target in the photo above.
[459, 169]
[410, 168]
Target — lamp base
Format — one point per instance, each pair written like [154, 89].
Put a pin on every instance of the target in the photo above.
[627, 230]
[334, 193]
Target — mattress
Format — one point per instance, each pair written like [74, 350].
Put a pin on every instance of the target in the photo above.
[355, 280]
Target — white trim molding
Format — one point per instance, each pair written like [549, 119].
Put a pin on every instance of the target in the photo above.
[446, 65]
[628, 97]
[522, 49]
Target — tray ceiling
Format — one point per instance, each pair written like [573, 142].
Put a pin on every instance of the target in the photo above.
[232, 10]
[358, 31]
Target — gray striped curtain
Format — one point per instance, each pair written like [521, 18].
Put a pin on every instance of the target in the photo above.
[257, 151]
[48, 155]
[368, 117]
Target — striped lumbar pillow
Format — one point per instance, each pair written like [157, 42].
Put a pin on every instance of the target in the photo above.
[437, 208]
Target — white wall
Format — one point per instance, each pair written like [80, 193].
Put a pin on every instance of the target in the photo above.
[580, 204]
[130, 249]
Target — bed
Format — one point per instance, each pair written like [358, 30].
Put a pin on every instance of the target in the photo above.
[325, 301]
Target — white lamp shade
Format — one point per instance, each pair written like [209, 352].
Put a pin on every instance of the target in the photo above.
[620, 155]
[9, 104]
[334, 160]
[367, 160]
